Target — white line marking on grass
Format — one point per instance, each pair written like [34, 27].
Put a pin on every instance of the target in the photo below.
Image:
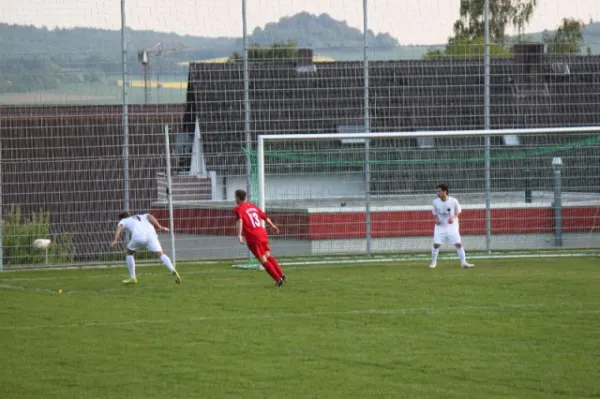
[122, 290]
[19, 288]
[382, 312]
[327, 264]
[225, 270]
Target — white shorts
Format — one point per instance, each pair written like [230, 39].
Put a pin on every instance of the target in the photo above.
[151, 243]
[446, 235]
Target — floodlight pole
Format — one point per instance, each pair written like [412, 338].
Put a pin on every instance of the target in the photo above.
[125, 117]
[486, 100]
[247, 102]
[367, 122]
[248, 139]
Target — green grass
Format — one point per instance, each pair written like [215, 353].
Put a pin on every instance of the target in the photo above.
[99, 93]
[508, 328]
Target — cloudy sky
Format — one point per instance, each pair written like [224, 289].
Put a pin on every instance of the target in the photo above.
[410, 21]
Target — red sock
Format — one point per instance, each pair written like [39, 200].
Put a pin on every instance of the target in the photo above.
[271, 270]
[276, 265]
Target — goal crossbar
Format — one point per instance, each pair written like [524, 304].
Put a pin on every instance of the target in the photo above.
[428, 133]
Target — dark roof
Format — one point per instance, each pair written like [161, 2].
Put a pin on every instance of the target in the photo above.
[403, 96]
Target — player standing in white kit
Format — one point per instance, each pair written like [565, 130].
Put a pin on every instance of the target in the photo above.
[143, 235]
[446, 210]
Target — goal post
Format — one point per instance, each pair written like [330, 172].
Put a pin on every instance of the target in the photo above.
[543, 189]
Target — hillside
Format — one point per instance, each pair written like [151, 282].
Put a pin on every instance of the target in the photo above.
[18, 40]
[319, 32]
[41, 59]
[67, 62]
[306, 29]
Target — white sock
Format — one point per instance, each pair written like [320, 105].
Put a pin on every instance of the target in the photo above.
[130, 261]
[461, 255]
[167, 262]
[434, 254]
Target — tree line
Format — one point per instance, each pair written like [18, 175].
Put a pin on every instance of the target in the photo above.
[467, 40]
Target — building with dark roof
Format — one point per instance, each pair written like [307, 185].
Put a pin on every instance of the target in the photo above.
[530, 90]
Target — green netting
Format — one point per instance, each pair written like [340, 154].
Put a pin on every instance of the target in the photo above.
[505, 155]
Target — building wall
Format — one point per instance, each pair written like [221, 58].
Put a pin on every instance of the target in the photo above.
[297, 186]
[68, 161]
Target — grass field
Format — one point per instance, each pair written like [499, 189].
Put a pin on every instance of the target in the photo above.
[507, 328]
[102, 93]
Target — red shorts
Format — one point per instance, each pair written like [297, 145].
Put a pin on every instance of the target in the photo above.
[259, 248]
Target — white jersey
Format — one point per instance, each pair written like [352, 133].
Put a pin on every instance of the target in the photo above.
[139, 226]
[444, 210]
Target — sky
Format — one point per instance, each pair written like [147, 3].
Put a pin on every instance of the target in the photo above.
[410, 21]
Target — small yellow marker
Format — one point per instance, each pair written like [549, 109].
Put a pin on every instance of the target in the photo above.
[60, 291]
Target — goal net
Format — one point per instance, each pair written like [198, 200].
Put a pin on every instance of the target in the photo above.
[535, 190]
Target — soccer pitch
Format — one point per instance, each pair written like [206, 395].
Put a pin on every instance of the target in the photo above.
[523, 328]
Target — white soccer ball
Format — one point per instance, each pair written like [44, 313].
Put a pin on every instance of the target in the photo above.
[42, 243]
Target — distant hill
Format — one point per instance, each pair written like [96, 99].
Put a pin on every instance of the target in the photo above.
[40, 59]
[17, 40]
[308, 30]
[46, 59]
[319, 32]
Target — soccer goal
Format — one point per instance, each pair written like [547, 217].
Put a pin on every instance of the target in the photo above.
[523, 191]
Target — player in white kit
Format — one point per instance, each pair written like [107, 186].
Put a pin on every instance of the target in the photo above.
[446, 210]
[143, 235]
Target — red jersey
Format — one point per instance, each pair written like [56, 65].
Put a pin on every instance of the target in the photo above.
[252, 226]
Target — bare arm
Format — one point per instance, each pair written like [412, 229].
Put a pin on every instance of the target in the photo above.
[238, 228]
[275, 228]
[117, 235]
[457, 211]
[454, 217]
[155, 223]
[435, 216]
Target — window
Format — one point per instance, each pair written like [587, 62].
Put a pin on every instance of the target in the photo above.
[511, 140]
[425, 142]
[560, 68]
[342, 129]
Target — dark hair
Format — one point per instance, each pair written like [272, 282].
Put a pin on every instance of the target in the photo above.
[124, 215]
[443, 187]
[240, 194]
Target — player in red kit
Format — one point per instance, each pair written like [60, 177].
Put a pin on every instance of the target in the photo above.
[249, 226]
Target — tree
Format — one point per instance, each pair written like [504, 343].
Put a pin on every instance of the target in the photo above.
[464, 47]
[282, 51]
[567, 39]
[503, 14]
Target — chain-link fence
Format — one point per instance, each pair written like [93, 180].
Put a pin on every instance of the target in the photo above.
[84, 107]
